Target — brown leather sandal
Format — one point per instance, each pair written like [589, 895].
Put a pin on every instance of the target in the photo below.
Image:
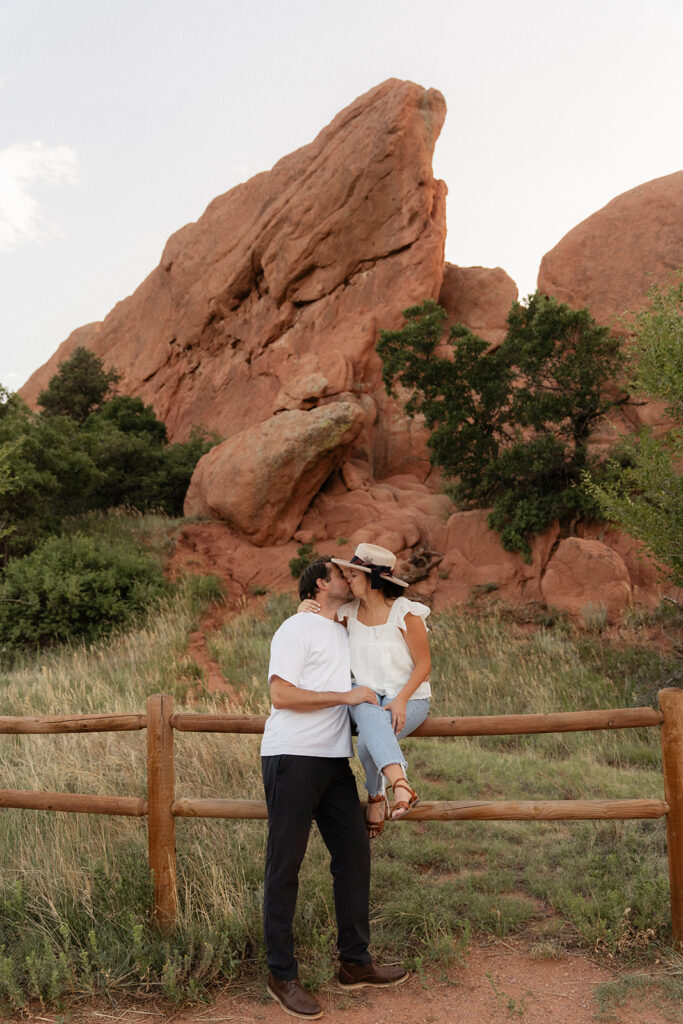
[401, 807]
[375, 828]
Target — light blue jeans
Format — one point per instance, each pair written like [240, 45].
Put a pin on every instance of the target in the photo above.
[377, 741]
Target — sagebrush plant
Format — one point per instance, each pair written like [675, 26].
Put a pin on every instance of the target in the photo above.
[75, 892]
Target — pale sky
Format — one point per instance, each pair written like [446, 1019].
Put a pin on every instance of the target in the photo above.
[120, 120]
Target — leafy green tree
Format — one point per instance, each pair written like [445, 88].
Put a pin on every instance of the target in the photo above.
[7, 484]
[645, 492]
[59, 464]
[51, 474]
[137, 466]
[510, 426]
[52, 467]
[131, 416]
[80, 386]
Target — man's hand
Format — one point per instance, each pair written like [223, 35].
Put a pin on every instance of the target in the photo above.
[362, 695]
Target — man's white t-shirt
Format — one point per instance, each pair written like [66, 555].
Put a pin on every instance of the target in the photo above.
[311, 652]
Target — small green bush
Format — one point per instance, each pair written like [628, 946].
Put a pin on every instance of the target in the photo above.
[305, 555]
[75, 587]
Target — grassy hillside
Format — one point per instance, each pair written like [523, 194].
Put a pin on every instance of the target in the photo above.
[75, 891]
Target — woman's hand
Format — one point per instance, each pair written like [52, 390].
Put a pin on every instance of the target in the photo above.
[397, 706]
[309, 605]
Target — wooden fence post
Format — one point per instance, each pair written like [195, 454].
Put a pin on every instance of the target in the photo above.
[160, 821]
[671, 703]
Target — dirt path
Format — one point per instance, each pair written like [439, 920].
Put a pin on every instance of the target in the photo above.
[496, 983]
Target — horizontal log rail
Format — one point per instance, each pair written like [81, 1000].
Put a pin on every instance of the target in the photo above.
[519, 725]
[482, 725]
[161, 808]
[456, 810]
[81, 803]
[189, 807]
[51, 724]
[188, 722]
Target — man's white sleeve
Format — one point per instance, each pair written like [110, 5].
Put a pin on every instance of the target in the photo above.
[287, 654]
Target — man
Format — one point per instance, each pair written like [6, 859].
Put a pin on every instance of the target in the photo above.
[306, 776]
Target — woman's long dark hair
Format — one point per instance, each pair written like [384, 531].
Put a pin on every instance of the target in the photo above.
[390, 591]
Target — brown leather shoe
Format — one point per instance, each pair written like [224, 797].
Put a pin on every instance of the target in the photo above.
[357, 975]
[293, 999]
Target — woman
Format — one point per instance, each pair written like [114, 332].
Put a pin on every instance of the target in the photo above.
[390, 654]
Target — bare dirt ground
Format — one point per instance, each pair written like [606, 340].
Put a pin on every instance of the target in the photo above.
[496, 983]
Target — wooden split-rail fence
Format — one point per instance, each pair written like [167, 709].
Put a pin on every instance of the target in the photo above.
[162, 806]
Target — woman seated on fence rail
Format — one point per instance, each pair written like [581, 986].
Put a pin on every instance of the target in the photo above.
[390, 654]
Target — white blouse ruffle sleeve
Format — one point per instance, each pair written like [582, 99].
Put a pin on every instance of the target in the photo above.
[380, 657]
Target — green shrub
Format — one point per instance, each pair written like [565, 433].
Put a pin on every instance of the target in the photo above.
[56, 466]
[511, 427]
[75, 587]
[305, 556]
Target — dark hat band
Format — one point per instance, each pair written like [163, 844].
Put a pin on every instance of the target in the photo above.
[376, 572]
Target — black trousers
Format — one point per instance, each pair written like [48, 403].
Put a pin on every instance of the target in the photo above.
[300, 790]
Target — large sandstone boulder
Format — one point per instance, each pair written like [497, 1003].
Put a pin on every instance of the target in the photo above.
[598, 574]
[586, 579]
[262, 480]
[478, 297]
[272, 300]
[609, 261]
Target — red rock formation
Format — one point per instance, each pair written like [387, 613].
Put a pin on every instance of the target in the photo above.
[398, 513]
[476, 562]
[609, 261]
[272, 299]
[260, 322]
[478, 297]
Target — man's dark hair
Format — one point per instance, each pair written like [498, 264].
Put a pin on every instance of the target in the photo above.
[318, 570]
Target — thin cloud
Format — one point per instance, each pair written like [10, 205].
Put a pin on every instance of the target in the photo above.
[22, 167]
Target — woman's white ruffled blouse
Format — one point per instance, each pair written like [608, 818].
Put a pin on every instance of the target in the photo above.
[380, 657]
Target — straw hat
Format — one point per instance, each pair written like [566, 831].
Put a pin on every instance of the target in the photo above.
[375, 561]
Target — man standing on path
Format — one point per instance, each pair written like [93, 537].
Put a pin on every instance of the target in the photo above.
[306, 776]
